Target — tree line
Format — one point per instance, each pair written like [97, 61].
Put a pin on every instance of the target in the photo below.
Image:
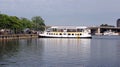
[19, 24]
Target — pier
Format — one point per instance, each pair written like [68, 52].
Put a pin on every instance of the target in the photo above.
[18, 36]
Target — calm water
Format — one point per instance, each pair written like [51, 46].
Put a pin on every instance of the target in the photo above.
[56, 52]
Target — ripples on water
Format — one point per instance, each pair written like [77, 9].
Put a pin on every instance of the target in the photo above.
[57, 52]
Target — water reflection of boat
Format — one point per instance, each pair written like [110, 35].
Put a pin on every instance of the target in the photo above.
[68, 47]
[66, 41]
[66, 32]
[109, 32]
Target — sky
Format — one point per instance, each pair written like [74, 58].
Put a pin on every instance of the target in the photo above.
[65, 12]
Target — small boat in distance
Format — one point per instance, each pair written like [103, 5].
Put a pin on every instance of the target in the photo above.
[66, 32]
[109, 33]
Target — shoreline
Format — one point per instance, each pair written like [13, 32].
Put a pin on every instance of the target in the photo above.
[18, 36]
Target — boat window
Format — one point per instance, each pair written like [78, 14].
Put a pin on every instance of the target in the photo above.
[80, 34]
[79, 30]
[49, 29]
[76, 34]
[56, 34]
[51, 33]
[69, 34]
[54, 30]
[60, 33]
[59, 30]
[71, 30]
[72, 34]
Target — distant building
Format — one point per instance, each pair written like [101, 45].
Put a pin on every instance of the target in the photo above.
[118, 23]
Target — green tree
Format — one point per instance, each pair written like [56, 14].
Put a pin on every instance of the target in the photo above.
[15, 24]
[38, 23]
[106, 25]
[4, 21]
[10, 22]
[18, 24]
[26, 23]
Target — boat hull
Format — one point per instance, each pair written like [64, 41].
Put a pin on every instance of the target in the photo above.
[63, 37]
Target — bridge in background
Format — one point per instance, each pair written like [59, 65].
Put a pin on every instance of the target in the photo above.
[101, 30]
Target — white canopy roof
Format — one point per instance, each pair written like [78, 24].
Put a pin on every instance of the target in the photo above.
[69, 27]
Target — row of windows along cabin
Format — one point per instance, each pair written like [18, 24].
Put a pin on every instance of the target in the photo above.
[64, 30]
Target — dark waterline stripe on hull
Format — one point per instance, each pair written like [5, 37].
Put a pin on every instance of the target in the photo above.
[64, 37]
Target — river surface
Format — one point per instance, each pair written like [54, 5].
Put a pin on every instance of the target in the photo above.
[100, 51]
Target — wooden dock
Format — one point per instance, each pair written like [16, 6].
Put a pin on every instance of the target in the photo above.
[18, 36]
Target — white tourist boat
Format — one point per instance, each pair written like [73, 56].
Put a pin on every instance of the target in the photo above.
[109, 33]
[66, 32]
